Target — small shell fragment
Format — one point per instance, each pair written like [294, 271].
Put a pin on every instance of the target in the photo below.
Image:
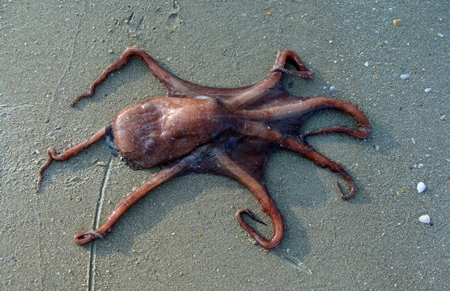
[396, 21]
[425, 219]
[421, 187]
[427, 90]
[405, 76]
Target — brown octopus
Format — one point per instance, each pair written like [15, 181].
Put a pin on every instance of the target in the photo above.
[225, 131]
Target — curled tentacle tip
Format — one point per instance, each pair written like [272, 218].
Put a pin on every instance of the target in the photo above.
[75, 101]
[344, 196]
[82, 238]
[347, 196]
[250, 214]
[244, 211]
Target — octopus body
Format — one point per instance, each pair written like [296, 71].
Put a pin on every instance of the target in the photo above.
[225, 131]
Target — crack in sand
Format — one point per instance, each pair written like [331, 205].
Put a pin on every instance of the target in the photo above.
[69, 63]
[96, 222]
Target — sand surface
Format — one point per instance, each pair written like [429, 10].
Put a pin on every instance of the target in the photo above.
[183, 236]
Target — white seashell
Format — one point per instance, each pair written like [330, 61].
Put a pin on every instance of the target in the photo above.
[421, 187]
[405, 76]
[427, 90]
[425, 219]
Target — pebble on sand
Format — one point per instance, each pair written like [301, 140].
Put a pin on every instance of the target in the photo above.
[405, 76]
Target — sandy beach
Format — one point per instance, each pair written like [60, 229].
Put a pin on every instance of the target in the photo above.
[389, 58]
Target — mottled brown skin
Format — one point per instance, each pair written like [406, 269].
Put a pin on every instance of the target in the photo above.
[226, 131]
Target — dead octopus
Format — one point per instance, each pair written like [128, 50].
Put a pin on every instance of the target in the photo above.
[225, 131]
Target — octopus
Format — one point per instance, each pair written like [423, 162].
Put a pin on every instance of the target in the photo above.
[224, 131]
